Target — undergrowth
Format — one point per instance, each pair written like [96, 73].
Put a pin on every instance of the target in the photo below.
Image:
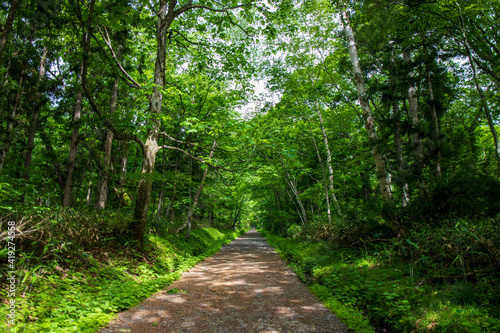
[379, 282]
[63, 287]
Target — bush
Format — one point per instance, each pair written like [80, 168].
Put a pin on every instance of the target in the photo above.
[461, 195]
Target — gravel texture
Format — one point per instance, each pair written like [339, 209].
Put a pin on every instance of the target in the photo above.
[245, 287]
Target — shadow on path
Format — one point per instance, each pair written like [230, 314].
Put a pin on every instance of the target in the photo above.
[245, 287]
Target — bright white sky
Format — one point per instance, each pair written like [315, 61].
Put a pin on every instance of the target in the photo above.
[261, 96]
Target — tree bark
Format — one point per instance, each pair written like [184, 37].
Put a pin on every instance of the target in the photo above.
[238, 212]
[138, 224]
[103, 188]
[413, 112]
[11, 120]
[189, 216]
[73, 148]
[327, 196]
[292, 183]
[34, 118]
[160, 200]
[86, 37]
[328, 162]
[435, 122]
[366, 111]
[151, 148]
[398, 142]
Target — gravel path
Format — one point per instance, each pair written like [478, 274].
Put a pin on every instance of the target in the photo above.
[245, 287]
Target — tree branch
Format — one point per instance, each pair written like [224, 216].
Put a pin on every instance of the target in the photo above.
[108, 44]
[190, 6]
[97, 109]
[182, 142]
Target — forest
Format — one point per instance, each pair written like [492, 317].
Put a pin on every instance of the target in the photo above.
[360, 137]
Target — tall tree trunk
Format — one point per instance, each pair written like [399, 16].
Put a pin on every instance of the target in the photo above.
[160, 201]
[86, 38]
[34, 118]
[435, 121]
[292, 183]
[103, 188]
[366, 111]
[89, 187]
[299, 206]
[11, 121]
[398, 142]
[237, 213]
[328, 162]
[325, 187]
[151, 148]
[73, 148]
[14, 6]
[163, 183]
[189, 216]
[413, 112]
[123, 147]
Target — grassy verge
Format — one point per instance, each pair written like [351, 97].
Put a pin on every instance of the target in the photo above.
[369, 283]
[81, 295]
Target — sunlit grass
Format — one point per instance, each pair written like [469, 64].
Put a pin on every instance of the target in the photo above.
[389, 293]
[81, 299]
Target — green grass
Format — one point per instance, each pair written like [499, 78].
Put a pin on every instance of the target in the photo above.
[371, 284]
[82, 295]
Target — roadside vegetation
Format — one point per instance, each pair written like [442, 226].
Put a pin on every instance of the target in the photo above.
[442, 281]
[78, 270]
[371, 147]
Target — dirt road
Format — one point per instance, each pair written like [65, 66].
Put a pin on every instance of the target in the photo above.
[245, 287]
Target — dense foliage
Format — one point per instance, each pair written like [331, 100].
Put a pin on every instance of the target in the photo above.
[134, 121]
[79, 291]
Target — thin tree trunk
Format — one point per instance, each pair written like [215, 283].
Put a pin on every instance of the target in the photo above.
[398, 142]
[237, 214]
[103, 188]
[34, 118]
[435, 122]
[479, 89]
[413, 112]
[278, 208]
[163, 183]
[73, 148]
[89, 189]
[86, 38]
[328, 162]
[160, 201]
[299, 206]
[293, 186]
[151, 148]
[325, 187]
[124, 146]
[11, 121]
[366, 111]
[189, 216]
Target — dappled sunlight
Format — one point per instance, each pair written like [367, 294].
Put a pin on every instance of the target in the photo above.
[245, 287]
[367, 262]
